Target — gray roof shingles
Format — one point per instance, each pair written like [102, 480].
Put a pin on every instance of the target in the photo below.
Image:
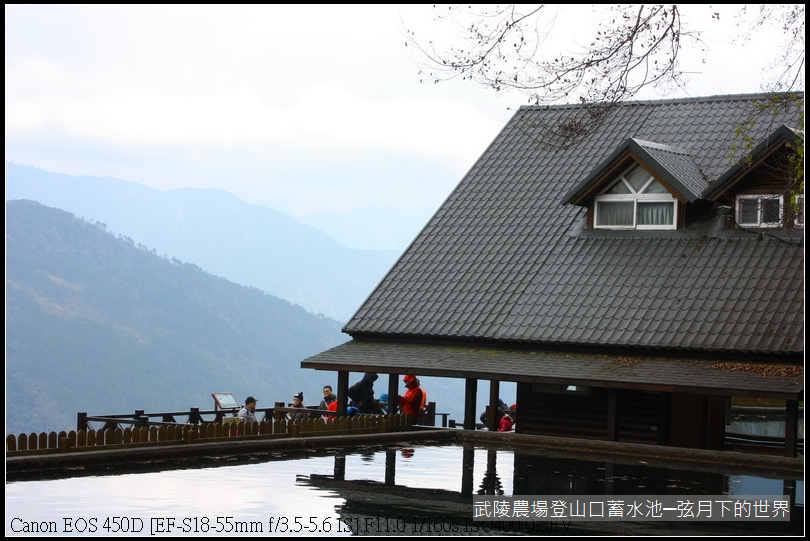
[677, 166]
[501, 259]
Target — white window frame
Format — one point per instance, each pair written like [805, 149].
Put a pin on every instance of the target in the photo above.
[759, 198]
[636, 198]
[798, 212]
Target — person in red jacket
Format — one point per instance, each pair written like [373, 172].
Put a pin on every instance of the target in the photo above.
[414, 400]
[506, 423]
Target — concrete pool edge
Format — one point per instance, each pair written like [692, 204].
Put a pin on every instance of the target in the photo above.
[649, 455]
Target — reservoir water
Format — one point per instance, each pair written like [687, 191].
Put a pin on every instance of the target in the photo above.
[425, 489]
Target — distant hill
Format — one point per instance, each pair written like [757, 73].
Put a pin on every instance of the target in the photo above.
[248, 244]
[95, 323]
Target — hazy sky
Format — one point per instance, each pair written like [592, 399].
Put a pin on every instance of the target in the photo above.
[314, 110]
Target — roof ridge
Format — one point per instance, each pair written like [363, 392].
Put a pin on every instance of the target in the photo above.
[662, 146]
[694, 99]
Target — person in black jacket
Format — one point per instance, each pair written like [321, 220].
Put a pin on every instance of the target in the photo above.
[499, 413]
[362, 393]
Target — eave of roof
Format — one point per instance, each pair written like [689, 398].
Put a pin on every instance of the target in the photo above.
[686, 375]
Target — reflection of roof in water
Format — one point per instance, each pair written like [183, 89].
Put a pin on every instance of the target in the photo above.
[393, 495]
[375, 508]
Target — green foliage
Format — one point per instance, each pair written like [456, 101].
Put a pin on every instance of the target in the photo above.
[769, 111]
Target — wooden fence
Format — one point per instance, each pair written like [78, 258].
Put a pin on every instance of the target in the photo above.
[197, 416]
[180, 434]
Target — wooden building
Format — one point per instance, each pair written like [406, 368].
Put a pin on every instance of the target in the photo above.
[632, 275]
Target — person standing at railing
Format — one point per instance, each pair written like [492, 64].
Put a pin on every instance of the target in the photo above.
[414, 400]
[248, 411]
[362, 393]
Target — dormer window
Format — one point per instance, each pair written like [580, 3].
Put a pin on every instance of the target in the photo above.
[759, 210]
[635, 201]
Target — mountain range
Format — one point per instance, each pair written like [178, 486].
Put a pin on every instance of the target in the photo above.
[97, 324]
[111, 306]
[248, 244]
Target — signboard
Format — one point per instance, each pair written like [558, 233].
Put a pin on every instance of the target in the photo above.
[225, 401]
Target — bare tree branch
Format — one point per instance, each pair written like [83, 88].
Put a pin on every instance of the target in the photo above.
[638, 47]
[507, 48]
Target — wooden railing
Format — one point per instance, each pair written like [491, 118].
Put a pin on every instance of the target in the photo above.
[196, 416]
[142, 419]
[166, 433]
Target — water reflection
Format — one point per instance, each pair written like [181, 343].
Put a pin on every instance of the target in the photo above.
[419, 490]
[491, 484]
[497, 472]
[762, 422]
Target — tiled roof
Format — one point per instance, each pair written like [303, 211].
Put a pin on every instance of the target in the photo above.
[782, 132]
[505, 259]
[675, 165]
